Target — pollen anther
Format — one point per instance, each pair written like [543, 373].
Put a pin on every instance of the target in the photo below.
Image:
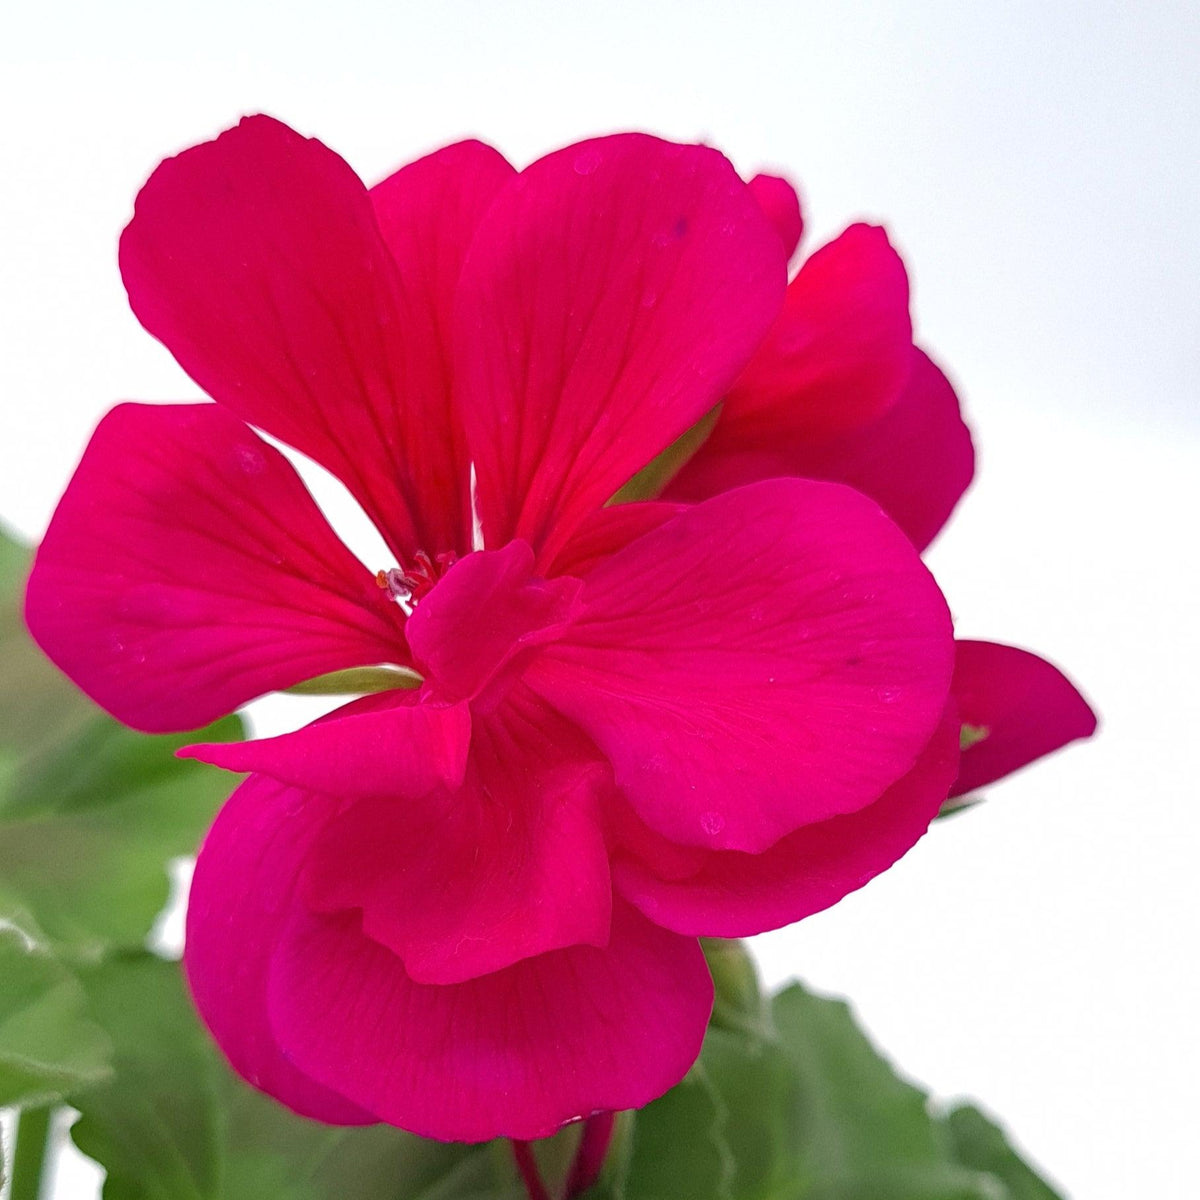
[410, 582]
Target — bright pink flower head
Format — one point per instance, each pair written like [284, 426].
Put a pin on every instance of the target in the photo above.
[471, 909]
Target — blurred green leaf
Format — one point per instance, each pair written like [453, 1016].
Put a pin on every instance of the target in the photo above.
[979, 1142]
[90, 812]
[48, 1045]
[862, 1130]
[174, 1123]
[679, 1146]
[725, 1133]
[809, 1110]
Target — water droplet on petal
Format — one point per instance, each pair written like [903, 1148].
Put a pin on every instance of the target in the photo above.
[250, 460]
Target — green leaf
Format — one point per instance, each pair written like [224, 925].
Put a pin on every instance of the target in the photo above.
[679, 1146]
[812, 1113]
[809, 1110]
[48, 1046]
[724, 1133]
[979, 1142]
[174, 1123]
[864, 1132]
[90, 812]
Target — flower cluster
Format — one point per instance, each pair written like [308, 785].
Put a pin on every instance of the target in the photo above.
[472, 907]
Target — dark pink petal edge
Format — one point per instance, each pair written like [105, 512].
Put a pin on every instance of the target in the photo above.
[1024, 707]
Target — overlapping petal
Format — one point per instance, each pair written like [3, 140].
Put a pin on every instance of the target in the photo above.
[612, 294]
[777, 198]
[258, 260]
[472, 879]
[915, 461]
[187, 571]
[398, 745]
[1018, 708]
[610, 529]
[770, 658]
[428, 212]
[837, 358]
[727, 893]
[488, 610]
[516, 1053]
[243, 892]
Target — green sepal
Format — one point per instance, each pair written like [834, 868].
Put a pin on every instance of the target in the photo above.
[650, 481]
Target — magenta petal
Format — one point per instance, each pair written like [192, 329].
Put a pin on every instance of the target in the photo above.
[730, 894]
[428, 212]
[837, 358]
[187, 570]
[767, 659]
[610, 529]
[258, 261]
[390, 745]
[1024, 706]
[915, 461]
[516, 1053]
[778, 199]
[487, 610]
[470, 880]
[839, 352]
[243, 893]
[613, 292]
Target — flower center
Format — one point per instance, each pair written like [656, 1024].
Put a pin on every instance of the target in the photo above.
[410, 582]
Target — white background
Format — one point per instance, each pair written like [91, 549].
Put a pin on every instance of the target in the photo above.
[1038, 166]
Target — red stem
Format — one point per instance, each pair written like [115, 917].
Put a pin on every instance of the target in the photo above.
[589, 1158]
[531, 1177]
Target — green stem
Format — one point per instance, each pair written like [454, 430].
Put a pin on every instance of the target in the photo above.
[29, 1157]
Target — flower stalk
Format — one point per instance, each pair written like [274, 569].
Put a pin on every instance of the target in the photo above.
[589, 1158]
[527, 1167]
[29, 1156]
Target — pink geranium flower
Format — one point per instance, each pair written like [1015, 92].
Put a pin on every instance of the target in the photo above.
[471, 908]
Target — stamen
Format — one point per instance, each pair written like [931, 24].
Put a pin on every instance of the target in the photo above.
[409, 583]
